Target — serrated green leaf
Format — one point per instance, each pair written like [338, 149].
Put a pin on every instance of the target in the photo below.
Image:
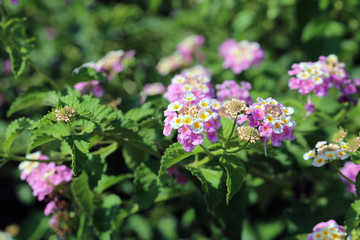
[236, 174]
[105, 215]
[226, 127]
[136, 114]
[130, 137]
[357, 186]
[79, 145]
[14, 129]
[174, 154]
[33, 97]
[84, 197]
[352, 218]
[147, 187]
[133, 156]
[107, 181]
[210, 179]
[47, 132]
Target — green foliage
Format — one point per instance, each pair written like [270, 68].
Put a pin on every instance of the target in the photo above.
[210, 179]
[357, 181]
[33, 97]
[105, 214]
[352, 219]
[107, 181]
[226, 127]
[83, 195]
[147, 187]
[79, 146]
[236, 174]
[174, 154]
[17, 45]
[14, 129]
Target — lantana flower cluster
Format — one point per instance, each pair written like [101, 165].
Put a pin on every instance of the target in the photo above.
[43, 177]
[324, 153]
[189, 83]
[231, 89]
[337, 150]
[320, 76]
[240, 56]
[184, 55]
[113, 63]
[328, 230]
[48, 182]
[192, 116]
[197, 70]
[271, 119]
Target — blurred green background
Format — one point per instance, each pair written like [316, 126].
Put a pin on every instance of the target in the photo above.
[70, 33]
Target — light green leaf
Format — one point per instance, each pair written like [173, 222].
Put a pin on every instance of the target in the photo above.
[226, 127]
[236, 174]
[107, 181]
[15, 128]
[33, 97]
[82, 193]
[174, 154]
[352, 218]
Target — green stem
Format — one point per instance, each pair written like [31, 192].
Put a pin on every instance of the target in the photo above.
[232, 131]
[22, 159]
[207, 151]
[48, 79]
[338, 170]
[236, 149]
[81, 226]
[3, 163]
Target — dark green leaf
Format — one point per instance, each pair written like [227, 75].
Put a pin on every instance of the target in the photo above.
[105, 215]
[236, 174]
[210, 179]
[147, 187]
[79, 145]
[84, 197]
[14, 129]
[226, 127]
[33, 97]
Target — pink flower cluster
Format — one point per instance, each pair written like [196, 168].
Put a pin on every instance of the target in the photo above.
[90, 86]
[320, 76]
[327, 230]
[230, 89]
[197, 70]
[350, 170]
[191, 116]
[43, 177]
[273, 120]
[151, 89]
[189, 83]
[113, 63]
[240, 56]
[184, 55]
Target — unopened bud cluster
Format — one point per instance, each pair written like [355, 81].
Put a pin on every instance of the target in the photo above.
[64, 114]
[248, 134]
[235, 107]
